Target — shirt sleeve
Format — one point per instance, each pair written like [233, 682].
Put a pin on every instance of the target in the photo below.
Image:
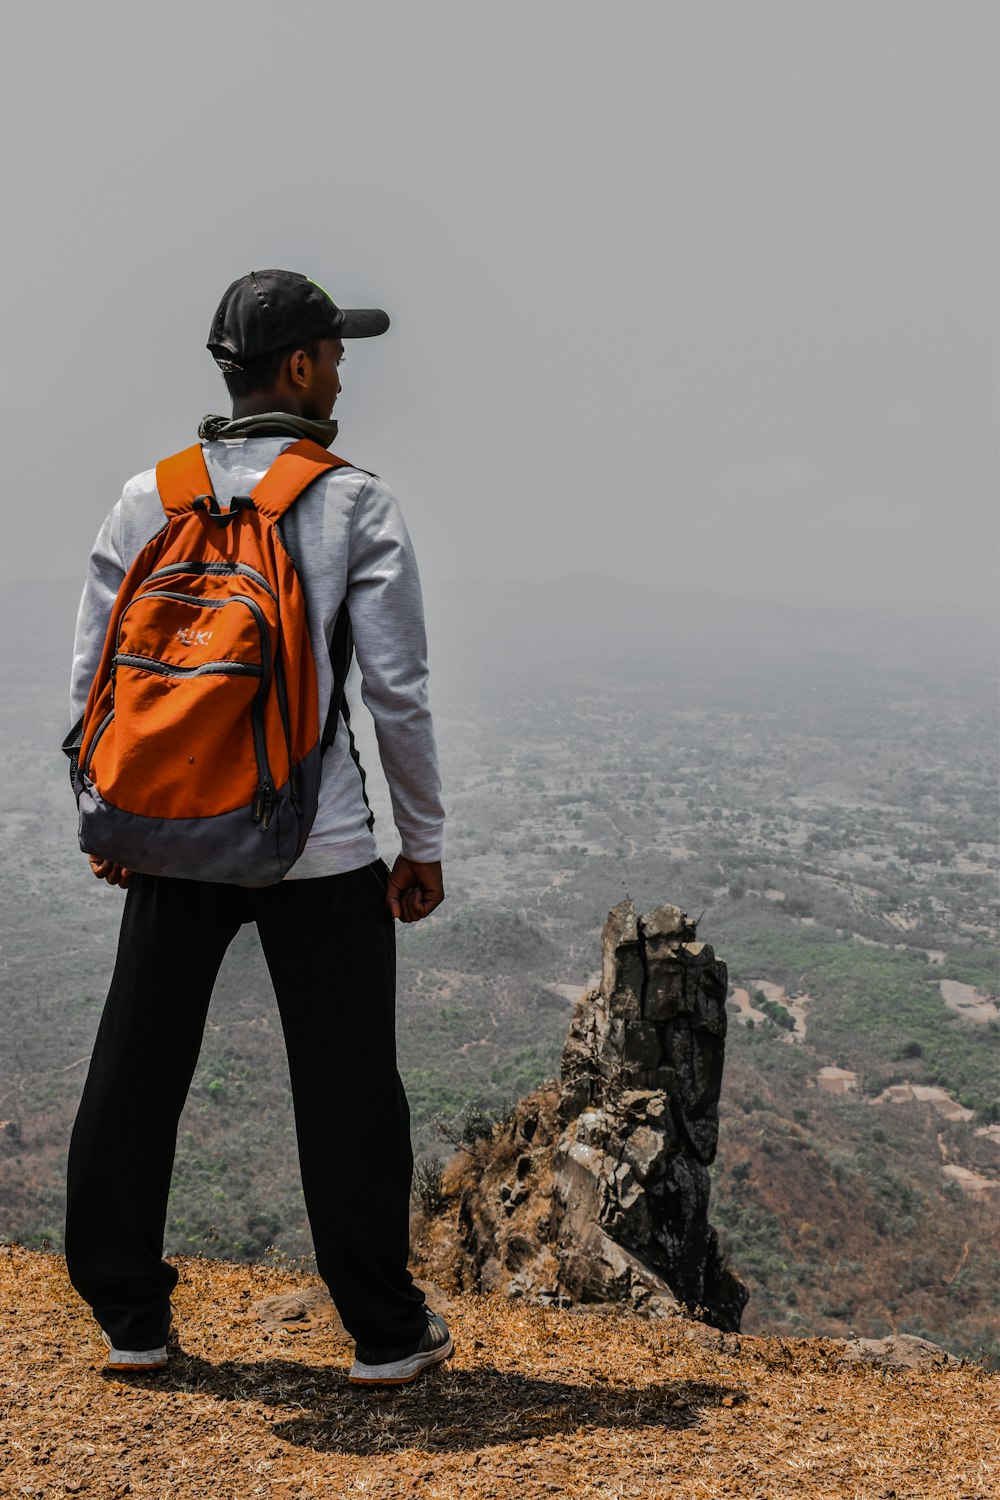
[105, 572]
[387, 620]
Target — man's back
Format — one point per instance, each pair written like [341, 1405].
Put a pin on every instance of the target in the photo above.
[349, 543]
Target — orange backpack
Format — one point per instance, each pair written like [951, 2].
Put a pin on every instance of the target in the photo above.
[200, 753]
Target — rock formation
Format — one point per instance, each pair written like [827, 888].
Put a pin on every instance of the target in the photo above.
[597, 1189]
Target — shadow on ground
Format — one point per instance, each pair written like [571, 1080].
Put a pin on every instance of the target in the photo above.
[446, 1410]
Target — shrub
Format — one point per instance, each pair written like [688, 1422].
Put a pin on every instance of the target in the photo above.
[775, 1012]
[474, 1122]
[911, 1049]
[426, 1189]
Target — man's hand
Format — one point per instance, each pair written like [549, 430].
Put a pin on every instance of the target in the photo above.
[104, 869]
[414, 890]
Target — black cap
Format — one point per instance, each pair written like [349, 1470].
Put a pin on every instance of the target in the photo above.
[268, 310]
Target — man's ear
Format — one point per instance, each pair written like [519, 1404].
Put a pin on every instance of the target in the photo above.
[299, 369]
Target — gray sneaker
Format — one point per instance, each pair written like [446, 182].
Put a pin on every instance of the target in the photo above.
[400, 1366]
[134, 1359]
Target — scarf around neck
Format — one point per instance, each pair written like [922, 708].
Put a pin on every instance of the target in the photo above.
[267, 424]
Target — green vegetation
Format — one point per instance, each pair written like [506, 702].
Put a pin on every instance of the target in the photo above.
[866, 998]
[481, 939]
[774, 1010]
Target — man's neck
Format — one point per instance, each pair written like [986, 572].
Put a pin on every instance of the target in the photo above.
[261, 404]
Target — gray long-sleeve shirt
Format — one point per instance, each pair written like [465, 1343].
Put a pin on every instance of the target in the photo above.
[349, 542]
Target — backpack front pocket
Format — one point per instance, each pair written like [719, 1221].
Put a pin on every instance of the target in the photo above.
[189, 678]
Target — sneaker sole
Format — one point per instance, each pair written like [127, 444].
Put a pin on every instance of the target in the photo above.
[116, 1365]
[403, 1371]
[134, 1359]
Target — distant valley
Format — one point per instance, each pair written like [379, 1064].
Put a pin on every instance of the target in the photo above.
[820, 790]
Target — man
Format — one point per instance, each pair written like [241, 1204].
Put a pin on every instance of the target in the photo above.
[326, 929]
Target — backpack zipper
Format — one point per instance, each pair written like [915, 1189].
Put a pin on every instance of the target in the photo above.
[223, 569]
[94, 742]
[223, 668]
[266, 797]
[282, 692]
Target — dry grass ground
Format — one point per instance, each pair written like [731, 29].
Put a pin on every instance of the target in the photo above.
[536, 1402]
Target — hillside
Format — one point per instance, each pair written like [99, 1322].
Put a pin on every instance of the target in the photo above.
[589, 1405]
[826, 806]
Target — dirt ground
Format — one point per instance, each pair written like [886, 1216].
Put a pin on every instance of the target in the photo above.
[536, 1402]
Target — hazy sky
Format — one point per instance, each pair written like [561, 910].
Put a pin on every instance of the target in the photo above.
[702, 290]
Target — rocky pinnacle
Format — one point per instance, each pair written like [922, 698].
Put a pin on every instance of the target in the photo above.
[598, 1188]
[639, 1102]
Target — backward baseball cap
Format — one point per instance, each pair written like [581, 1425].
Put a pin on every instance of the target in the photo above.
[268, 310]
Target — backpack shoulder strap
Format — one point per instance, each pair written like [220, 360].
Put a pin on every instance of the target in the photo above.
[181, 478]
[292, 472]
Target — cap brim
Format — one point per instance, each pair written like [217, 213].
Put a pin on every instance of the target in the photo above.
[362, 322]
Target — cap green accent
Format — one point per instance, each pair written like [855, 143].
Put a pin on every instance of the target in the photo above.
[326, 294]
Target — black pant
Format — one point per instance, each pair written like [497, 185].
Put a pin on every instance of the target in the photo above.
[330, 951]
